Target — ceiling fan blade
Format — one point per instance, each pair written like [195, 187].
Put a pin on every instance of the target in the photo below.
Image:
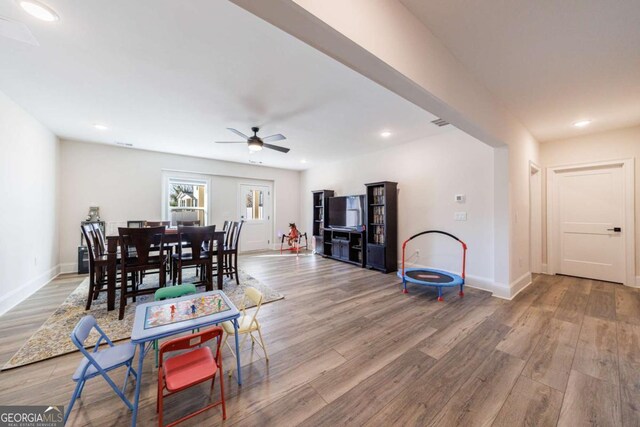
[230, 142]
[275, 147]
[274, 138]
[237, 132]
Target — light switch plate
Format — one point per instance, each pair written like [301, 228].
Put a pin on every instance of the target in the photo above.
[460, 216]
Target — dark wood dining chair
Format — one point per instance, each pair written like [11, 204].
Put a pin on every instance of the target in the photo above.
[146, 242]
[196, 250]
[96, 263]
[230, 252]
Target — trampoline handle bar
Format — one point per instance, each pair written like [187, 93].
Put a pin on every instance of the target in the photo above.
[464, 248]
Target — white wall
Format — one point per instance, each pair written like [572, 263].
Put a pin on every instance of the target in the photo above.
[611, 145]
[383, 41]
[127, 184]
[28, 211]
[429, 172]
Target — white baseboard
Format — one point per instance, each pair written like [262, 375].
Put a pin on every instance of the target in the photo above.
[519, 284]
[544, 269]
[68, 267]
[499, 290]
[637, 285]
[24, 291]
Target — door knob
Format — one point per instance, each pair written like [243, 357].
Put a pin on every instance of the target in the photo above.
[615, 229]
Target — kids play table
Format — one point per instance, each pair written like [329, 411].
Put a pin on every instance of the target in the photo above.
[162, 319]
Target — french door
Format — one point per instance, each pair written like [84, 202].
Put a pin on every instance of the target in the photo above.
[255, 208]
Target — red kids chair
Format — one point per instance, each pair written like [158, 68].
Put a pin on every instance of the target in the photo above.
[180, 372]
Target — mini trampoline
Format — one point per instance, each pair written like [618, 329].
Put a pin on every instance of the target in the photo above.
[431, 277]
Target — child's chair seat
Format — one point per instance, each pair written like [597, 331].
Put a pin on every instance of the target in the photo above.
[189, 368]
[107, 359]
[245, 324]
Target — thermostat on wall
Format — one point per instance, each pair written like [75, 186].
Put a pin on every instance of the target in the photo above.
[460, 198]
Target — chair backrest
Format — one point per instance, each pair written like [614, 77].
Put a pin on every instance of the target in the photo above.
[235, 235]
[195, 223]
[90, 238]
[83, 329]
[136, 223]
[143, 240]
[191, 341]
[177, 291]
[100, 239]
[255, 296]
[226, 226]
[228, 234]
[197, 238]
[158, 224]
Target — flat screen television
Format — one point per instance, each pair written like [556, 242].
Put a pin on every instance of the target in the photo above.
[346, 212]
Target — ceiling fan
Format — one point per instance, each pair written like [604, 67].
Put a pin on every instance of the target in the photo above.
[256, 143]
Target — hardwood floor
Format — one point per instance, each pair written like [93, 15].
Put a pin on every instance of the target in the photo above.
[348, 348]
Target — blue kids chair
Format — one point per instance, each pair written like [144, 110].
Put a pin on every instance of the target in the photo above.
[99, 362]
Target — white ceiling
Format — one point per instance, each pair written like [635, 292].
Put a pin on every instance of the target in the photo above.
[551, 63]
[171, 77]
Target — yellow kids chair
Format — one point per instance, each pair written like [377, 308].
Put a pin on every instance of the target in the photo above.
[247, 324]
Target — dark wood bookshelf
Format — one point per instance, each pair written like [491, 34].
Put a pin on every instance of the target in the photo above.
[382, 226]
[320, 215]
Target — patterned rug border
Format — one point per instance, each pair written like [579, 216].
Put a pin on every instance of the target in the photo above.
[8, 366]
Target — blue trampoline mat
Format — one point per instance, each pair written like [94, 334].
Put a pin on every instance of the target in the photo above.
[430, 277]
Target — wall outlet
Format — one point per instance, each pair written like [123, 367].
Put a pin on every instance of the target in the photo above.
[460, 216]
[460, 198]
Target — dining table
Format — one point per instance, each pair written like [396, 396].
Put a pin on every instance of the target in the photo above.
[171, 236]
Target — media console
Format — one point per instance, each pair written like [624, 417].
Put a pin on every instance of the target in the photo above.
[345, 245]
[376, 245]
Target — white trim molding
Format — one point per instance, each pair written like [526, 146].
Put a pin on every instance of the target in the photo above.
[544, 268]
[21, 293]
[628, 168]
[519, 284]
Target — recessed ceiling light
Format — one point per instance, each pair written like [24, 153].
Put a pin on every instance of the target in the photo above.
[582, 123]
[385, 134]
[303, 161]
[100, 126]
[39, 10]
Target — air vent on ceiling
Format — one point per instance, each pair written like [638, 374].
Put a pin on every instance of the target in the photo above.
[17, 31]
[124, 144]
[440, 122]
[255, 162]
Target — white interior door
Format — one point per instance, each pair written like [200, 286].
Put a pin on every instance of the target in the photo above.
[590, 212]
[255, 209]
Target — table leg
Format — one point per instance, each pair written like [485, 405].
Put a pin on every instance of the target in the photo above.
[136, 398]
[112, 260]
[235, 327]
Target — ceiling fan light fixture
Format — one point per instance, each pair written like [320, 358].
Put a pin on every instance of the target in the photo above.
[255, 146]
[39, 10]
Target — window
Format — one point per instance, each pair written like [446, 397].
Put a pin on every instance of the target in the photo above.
[186, 200]
[253, 203]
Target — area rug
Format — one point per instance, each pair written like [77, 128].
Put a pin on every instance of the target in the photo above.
[52, 338]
